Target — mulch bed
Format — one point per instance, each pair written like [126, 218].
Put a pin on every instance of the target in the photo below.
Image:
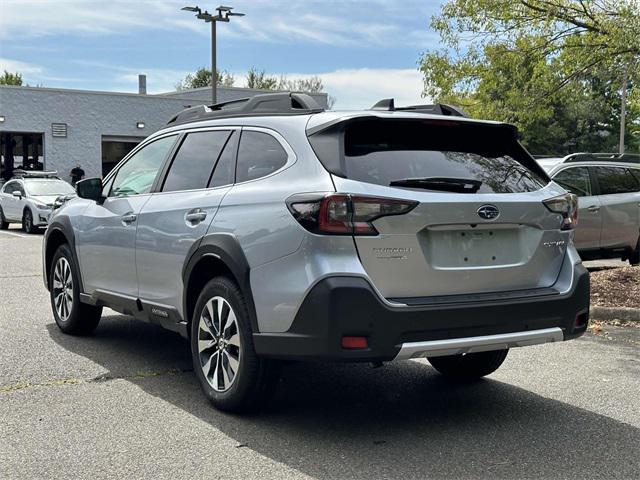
[616, 287]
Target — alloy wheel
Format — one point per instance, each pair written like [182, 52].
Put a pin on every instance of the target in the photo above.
[219, 348]
[63, 289]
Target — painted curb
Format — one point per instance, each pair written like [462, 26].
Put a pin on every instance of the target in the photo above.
[615, 313]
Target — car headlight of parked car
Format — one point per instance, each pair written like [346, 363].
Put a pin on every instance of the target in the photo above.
[42, 206]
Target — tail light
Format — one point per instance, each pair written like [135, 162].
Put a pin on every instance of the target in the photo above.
[342, 214]
[567, 206]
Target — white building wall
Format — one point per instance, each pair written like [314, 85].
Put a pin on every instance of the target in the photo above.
[91, 115]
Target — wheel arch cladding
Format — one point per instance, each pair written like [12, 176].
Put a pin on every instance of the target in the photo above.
[54, 240]
[217, 254]
[60, 232]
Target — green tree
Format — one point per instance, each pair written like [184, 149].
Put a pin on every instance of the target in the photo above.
[202, 78]
[258, 79]
[8, 78]
[552, 67]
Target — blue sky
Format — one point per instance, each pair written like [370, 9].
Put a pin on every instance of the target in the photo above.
[363, 50]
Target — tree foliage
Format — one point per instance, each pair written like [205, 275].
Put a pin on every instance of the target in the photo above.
[259, 80]
[552, 67]
[8, 78]
[256, 79]
[202, 78]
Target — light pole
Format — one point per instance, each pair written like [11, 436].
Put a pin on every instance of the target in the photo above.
[223, 16]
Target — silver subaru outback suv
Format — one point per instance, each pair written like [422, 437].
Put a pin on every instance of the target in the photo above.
[268, 229]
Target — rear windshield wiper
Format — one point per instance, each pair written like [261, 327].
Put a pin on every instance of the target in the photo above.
[456, 185]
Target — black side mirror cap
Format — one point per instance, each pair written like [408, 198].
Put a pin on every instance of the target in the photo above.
[90, 188]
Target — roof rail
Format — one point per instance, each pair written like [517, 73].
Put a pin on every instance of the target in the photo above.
[388, 105]
[603, 157]
[283, 103]
[21, 173]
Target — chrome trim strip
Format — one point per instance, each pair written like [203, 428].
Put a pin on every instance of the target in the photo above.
[455, 346]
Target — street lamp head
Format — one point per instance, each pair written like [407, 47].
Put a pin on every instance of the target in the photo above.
[234, 14]
[195, 9]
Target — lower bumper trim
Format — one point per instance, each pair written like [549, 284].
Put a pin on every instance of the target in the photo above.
[456, 346]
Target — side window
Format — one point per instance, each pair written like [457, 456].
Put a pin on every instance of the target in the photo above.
[575, 180]
[9, 187]
[259, 155]
[136, 176]
[193, 164]
[224, 173]
[614, 180]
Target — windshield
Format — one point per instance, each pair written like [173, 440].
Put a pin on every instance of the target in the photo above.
[390, 152]
[48, 187]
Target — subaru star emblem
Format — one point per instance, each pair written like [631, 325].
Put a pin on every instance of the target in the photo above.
[488, 212]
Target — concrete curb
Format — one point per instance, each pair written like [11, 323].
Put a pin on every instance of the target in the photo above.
[615, 313]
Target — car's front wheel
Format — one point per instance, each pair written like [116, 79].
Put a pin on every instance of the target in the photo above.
[231, 375]
[469, 366]
[27, 222]
[71, 316]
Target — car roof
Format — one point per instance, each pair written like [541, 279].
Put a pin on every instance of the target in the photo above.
[592, 163]
[265, 110]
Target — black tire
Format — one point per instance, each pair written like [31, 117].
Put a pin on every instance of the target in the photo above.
[634, 258]
[80, 318]
[27, 222]
[255, 379]
[3, 221]
[469, 366]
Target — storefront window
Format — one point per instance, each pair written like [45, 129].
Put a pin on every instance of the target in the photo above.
[20, 150]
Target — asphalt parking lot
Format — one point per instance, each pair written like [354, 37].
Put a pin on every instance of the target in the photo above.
[124, 403]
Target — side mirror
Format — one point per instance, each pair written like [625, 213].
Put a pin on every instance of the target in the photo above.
[90, 188]
[17, 194]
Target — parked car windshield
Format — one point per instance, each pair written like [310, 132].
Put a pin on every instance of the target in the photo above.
[48, 187]
[382, 152]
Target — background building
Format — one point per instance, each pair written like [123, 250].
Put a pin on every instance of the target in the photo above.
[58, 129]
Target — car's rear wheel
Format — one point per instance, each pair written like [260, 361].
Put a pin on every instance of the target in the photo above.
[469, 366]
[27, 222]
[71, 316]
[231, 375]
[3, 221]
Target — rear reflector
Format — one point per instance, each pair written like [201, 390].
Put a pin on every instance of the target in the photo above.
[581, 320]
[354, 343]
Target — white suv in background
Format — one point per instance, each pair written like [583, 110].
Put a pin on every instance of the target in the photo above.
[29, 198]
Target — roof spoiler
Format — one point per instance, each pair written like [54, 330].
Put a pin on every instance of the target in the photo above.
[388, 105]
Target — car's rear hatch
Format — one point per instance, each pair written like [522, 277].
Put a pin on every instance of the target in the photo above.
[498, 236]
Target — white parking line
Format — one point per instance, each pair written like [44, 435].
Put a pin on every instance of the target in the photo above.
[15, 234]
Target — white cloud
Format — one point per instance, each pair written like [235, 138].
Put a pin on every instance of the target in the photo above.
[21, 67]
[361, 88]
[278, 21]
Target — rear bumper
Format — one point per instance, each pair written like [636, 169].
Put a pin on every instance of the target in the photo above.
[348, 306]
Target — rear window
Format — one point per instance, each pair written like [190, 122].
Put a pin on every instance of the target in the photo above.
[384, 151]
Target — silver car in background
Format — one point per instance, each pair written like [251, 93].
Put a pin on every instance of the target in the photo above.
[608, 204]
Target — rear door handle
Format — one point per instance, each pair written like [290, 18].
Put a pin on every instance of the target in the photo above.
[195, 216]
[593, 208]
[129, 218]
